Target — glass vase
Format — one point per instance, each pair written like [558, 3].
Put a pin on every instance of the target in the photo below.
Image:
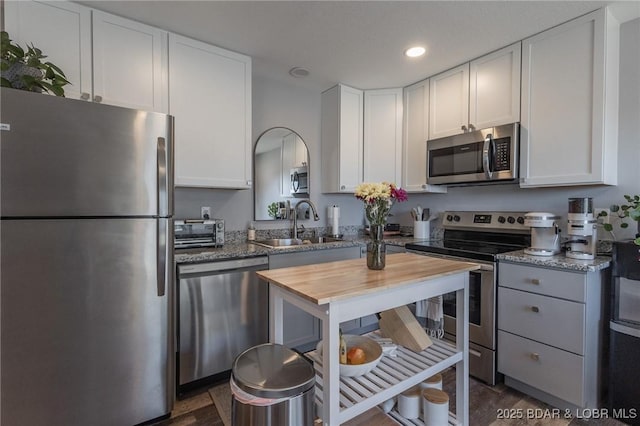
[376, 249]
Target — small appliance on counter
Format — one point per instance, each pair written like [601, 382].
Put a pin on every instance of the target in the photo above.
[198, 233]
[582, 230]
[545, 233]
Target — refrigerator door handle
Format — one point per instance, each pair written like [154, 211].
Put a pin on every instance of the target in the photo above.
[162, 257]
[163, 178]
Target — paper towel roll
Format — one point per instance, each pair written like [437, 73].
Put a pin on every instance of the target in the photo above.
[334, 218]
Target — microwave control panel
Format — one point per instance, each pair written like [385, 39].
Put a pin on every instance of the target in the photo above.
[502, 154]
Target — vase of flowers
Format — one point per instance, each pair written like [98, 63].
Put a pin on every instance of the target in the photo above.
[378, 199]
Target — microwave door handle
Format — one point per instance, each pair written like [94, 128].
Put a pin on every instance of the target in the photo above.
[295, 182]
[487, 147]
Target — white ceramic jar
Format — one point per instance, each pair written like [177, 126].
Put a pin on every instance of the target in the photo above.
[409, 403]
[434, 381]
[435, 407]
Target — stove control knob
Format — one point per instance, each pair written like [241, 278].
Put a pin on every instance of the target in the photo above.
[511, 219]
[456, 218]
[501, 219]
[520, 220]
[449, 218]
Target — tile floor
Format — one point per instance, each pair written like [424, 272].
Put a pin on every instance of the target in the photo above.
[197, 409]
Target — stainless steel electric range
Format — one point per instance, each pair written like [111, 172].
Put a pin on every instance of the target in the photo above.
[477, 236]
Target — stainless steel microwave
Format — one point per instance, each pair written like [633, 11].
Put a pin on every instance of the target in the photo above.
[483, 156]
[299, 181]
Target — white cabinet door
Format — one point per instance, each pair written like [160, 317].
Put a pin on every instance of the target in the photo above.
[449, 102]
[569, 103]
[494, 88]
[210, 93]
[342, 139]
[383, 135]
[129, 63]
[62, 30]
[414, 143]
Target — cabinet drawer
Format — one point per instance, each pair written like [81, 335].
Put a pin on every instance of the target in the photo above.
[555, 322]
[550, 282]
[551, 370]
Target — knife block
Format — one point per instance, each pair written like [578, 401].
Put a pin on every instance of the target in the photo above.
[403, 328]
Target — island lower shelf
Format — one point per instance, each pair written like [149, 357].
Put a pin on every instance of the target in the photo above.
[390, 377]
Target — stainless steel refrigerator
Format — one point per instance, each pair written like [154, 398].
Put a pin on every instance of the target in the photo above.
[86, 270]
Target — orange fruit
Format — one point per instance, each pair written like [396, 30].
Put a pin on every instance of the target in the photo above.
[355, 355]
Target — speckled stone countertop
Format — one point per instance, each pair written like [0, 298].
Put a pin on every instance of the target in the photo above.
[237, 250]
[559, 261]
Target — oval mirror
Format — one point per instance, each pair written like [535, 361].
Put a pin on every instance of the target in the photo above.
[281, 172]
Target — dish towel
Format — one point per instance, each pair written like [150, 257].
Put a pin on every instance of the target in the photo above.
[429, 313]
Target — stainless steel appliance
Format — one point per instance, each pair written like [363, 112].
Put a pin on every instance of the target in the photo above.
[624, 375]
[483, 156]
[582, 230]
[300, 181]
[223, 311]
[86, 260]
[477, 236]
[198, 233]
[545, 233]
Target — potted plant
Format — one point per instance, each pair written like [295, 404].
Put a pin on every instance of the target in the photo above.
[631, 210]
[26, 70]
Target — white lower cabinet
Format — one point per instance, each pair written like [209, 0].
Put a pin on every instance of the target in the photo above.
[550, 331]
[302, 330]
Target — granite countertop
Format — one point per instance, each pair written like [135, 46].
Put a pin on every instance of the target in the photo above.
[237, 250]
[559, 261]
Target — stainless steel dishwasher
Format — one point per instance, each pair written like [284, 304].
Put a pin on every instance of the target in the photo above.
[223, 310]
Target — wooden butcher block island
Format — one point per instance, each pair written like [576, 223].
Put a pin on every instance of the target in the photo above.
[341, 291]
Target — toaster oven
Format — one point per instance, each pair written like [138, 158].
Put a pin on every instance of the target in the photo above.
[198, 233]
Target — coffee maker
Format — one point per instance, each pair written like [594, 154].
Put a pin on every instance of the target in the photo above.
[545, 233]
[582, 229]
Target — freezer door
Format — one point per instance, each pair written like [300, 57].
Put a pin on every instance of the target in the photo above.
[85, 334]
[64, 157]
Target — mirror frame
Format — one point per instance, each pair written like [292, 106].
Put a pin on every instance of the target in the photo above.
[254, 186]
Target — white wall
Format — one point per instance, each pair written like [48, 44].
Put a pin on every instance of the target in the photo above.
[277, 102]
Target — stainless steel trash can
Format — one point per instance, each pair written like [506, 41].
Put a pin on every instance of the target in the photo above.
[272, 386]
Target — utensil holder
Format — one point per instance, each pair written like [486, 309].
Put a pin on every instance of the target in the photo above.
[421, 229]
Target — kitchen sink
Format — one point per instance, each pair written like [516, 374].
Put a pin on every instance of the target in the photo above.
[290, 242]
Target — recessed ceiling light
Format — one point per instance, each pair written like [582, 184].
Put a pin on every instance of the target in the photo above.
[299, 72]
[414, 52]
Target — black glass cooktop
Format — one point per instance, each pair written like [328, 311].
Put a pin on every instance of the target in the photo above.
[477, 246]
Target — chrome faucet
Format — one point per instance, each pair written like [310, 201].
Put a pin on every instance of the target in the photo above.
[294, 216]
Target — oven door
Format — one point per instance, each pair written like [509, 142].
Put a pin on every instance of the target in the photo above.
[481, 308]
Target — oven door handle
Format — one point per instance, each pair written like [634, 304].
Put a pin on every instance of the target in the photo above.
[488, 150]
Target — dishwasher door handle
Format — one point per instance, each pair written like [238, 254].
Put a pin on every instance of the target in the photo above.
[223, 266]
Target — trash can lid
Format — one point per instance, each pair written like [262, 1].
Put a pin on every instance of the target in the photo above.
[271, 370]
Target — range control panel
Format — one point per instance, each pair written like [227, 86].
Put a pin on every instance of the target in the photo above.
[507, 221]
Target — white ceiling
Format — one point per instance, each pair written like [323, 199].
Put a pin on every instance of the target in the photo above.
[359, 43]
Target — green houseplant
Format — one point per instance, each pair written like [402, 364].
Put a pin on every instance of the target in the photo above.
[631, 210]
[26, 70]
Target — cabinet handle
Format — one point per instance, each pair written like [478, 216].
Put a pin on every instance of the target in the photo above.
[97, 98]
[534, 356]
[343, 187]
[535, 309]
[84, 96]
[471, 127]
[463, 128]
[535, 281]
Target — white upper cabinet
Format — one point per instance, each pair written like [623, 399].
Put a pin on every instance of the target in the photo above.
[414, 144]
[106, 58]
[342, 139]
[129, 63]
[62, 30]
[494, 88]
[482, 93]
[570, 103]
[383, 135]
[210, 98]
[449, 102]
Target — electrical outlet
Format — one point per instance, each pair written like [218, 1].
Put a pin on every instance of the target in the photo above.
[602, 219]
[205, 212]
